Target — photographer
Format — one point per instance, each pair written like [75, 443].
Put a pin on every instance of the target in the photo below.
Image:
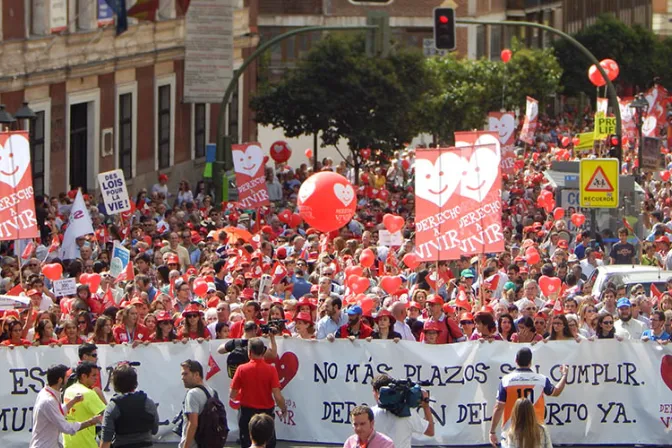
[237, 348]
[401, 429]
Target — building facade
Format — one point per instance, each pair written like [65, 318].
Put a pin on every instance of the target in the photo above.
[104, 101]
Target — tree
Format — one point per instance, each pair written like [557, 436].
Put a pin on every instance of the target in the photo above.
[635, 49]
[338, 91]
[466, 90]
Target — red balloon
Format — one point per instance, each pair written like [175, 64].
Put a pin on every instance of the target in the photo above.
[565, 141]
[665, 175]
[327, 201]
[595, 76]
[393, 223]
[367, 258]
[549, 285]
[355, 271]
[383, 195]
[535, 156]
[411, 260]
[390, 284]
[309, 153]
[576, 141]
[365, 178]
[405, 164]
[558, 213]
[93, 280]
[285, 216]
[365, 153]
[578, 219]
[280, 151]
[367, 305]
[200, 287]
[549, 206]
[532, 256]
[625, 140]
[53, 271]
[295, 220]
[359, 284]
[611, 67]
[129, 213]
[506, 55]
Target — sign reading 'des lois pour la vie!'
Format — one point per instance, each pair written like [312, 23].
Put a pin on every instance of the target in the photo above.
[113, 189]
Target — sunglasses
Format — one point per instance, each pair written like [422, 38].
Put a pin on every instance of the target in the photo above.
[81, 322]
[467, 322]
[192, 315]
[608, 322]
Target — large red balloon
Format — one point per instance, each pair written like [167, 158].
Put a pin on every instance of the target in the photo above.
[367, 258]
[327, 201]
[200, 287]
[558, 213]
[549, 285]
[309, 153]
[93, 280]
[506, 55]
[353, 271]
[578, 219]
[565, 141]
[359, 284]
[285, 216]
[390, 284]
[280, 151]
[611, 67]
[532, 256]
[411, 260]
[595, 76]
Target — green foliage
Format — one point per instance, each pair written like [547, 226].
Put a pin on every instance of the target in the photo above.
[340, 92]
[636, 50]
[466, 90]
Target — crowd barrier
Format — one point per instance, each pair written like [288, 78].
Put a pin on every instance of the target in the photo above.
[617, 392]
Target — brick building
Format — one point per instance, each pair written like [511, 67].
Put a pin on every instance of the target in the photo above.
[106, 101]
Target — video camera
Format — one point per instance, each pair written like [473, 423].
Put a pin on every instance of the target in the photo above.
[272, 326]
[400, 396]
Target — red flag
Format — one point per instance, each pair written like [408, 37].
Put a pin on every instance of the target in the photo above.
[108, 298]
[279, 272]
[144, 10]
[628, 226]
[213, 368]
[55, 243]
[15, 291]
[28, 250]
[128, 274]
[171, 291]
[557, 307]
[655, 292]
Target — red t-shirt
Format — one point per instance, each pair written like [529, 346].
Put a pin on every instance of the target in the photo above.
[50, 341]
[364, 331]
[22, 341]
[121, 335]
[192, 334]
[255, 381]
[78, 341]
[236, 331]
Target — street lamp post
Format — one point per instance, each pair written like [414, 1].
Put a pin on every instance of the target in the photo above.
[21, 118]
[640, 106]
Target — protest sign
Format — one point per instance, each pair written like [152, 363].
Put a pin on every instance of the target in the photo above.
[65, 287]
[504, 124]
[120, 258]
[531, 121]
[113, 189]
[388, 239]
[458, 205]
[248, 164]
[617, 392]
[17, 203]
[79, 224]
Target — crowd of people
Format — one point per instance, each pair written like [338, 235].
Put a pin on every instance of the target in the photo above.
[201, 271]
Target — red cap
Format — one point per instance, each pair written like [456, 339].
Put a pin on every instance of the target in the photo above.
[33, 292]
[248, 293]
[164, 316]
[663, 239]
[173, 259]
[384, 313]
[466, 316]
[562, 244]
[281, 253]
[434, 300]
[414, 305]
[430, 325]
[192, 308]
[306, 302]
[305, 317]
[448, 309]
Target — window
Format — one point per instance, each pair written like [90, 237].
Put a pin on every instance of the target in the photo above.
[480, 41]
[126, 134]
[37, 145]
[164, 121]
[164, 127]
[199, 129]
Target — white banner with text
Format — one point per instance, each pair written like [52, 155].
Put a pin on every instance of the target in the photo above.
[617, 392]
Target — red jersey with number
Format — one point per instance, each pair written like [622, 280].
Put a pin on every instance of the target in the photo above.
[524, 383]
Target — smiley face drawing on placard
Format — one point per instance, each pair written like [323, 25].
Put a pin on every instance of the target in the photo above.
[14, 160]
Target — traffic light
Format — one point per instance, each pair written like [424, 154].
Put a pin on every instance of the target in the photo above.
[444, 29]
[615, 147]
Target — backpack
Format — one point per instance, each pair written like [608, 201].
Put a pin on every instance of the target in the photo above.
[213, 427]
[238, 356]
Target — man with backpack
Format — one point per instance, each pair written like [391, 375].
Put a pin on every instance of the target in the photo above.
[237, 348]
[204, 415]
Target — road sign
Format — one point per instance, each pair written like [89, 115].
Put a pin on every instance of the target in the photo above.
[598, 183]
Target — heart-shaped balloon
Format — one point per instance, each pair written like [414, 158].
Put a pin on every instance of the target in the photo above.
[356, 271]
[393, 223]
[411, 260]
[390, 284]
[93, 281]
[359, 285]
[578, 219]
[53, 271]
[295, 220]
[285, 216]
[549, 285]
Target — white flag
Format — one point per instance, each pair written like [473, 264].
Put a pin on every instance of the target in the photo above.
[79, 224]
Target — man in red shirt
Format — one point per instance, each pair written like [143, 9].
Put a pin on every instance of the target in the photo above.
[257, 387]
[355, 328]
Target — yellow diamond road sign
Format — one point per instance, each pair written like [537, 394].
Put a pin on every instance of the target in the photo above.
[598, 183]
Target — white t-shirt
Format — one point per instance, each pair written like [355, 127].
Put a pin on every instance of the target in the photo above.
[399, 429]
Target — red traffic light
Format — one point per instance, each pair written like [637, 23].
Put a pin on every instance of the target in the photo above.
[443, 19]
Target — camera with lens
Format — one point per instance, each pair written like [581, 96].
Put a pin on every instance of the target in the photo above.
[272, 326]
[400, 396]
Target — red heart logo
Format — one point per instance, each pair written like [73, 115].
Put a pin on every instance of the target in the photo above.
[549, 285]
[287, 365]
[666, 370]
